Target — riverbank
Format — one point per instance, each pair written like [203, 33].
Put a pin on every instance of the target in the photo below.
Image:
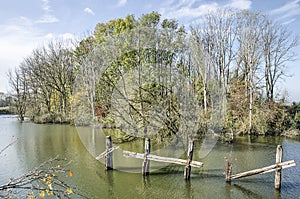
[5, 110]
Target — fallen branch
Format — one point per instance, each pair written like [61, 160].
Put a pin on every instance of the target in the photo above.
[8, 146]
[41, 181]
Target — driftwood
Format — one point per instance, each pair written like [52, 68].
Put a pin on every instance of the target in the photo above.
[161, 159]
[263, 170]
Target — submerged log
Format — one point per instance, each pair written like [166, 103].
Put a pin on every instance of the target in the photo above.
[263, 170]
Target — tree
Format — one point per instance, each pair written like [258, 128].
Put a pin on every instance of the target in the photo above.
[278, 45]
[19, 85]
[218, 36]
[249, 52]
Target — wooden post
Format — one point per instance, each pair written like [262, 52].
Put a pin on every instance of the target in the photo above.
[109, 156]
[187, 169]
[278, 170]
[146, 162]
[228, 170]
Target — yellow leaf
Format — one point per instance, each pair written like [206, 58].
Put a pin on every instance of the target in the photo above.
[42, 194]
[70, 173]
[50, 186]
[50, 193]
[69, 191]
[31, 196]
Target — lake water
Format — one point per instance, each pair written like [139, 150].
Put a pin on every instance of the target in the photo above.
[37, 143]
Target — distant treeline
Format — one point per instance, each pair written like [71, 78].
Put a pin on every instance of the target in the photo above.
[4, 104]
[240, 55]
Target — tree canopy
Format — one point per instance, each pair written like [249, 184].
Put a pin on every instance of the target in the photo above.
[231, 61]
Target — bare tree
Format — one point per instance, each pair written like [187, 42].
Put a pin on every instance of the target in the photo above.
[202, 61]
[19, 86]
[278, 45]
[249, 53]
[218, 35]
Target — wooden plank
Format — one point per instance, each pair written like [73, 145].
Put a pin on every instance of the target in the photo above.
[105, 153]
[277, 182]
[283, 167]
[264, 169]
[161, 159]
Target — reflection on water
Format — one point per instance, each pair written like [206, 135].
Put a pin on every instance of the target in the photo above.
[37, 143]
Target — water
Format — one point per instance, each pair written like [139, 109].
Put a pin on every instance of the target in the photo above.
[37, 143]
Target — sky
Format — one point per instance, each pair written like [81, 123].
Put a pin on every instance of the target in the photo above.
[29, 24]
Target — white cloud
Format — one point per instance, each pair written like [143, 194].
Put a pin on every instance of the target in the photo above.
[64, 36]
[291, 6]
[46, 6]
[47, 19]
[286, 13]
[289, 21]
[195, 8]
[198, 11]
[18, 37]
[240, 4]
[89, 11]
[122, 3]
[184, 8]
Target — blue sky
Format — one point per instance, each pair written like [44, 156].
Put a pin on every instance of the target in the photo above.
[27, 24]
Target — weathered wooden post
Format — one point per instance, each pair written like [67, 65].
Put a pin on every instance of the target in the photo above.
[146, 162]
[109, 156]
[278, 170]
[228, 170]
[187, 169]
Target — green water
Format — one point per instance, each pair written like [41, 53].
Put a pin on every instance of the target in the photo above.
[37, 143]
